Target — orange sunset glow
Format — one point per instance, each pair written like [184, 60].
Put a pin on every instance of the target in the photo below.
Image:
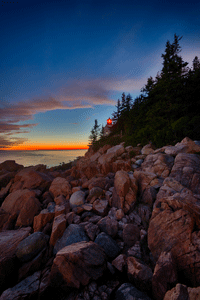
[47, 147]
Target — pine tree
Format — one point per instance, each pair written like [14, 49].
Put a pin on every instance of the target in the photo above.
[94, 133]
[117, 114]
[196, 63]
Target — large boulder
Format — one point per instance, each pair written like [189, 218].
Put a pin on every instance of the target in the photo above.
[186, 171]
[77, 199]
[159, 164]
[109, 245]
[60, 186]
[25, 204]
[28, 178]
[74, 233]
[9, 241]
[77, 264]
[185, 146]
[31, 246]
[147, 149]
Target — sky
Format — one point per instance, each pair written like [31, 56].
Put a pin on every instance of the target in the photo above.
[66, 63]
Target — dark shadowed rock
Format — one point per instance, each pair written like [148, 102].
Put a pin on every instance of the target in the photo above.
[31, 246]
[74, 233]
[108, 225]
[26, 289]
[131, 234]
[139, 273]
[10, 166]
[9, 241]
[108, 244]
[164, 276]
[128, 292]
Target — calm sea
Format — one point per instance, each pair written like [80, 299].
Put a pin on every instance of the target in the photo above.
[49, 158]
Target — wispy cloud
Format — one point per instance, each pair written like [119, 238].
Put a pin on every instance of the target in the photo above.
[7, 143]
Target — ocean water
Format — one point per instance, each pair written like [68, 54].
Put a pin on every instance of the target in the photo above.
[50, 158]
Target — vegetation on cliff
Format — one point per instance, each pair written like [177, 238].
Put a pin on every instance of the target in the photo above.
[167, 109]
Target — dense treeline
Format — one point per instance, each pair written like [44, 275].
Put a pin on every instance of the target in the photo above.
[168, 108]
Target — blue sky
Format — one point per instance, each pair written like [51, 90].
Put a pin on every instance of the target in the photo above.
[65, 63]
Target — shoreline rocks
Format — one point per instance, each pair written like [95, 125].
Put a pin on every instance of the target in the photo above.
[103, 229]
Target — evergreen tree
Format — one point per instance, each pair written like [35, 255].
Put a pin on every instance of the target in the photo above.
[117, 114]
[128, 102]
[94, 133]
[196, 63]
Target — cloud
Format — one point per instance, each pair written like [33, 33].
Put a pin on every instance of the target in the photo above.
[7, 143]
[5, 127]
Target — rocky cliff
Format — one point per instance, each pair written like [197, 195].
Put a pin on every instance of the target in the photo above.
[122, 223]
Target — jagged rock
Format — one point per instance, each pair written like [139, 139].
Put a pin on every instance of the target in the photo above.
[74, 233]
[92, 230]
[119, 262]
[164, 276]
[128, 292]
[58, 228]
[108, 244]
[45, 216]
[77, 198]
[77, 264]
[174, 226]
[60, 186]
[139, 273]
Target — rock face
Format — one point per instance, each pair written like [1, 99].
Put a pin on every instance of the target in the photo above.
[174, 225]
[77, 264]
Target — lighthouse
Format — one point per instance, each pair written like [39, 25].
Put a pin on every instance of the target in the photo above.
[107, 128]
